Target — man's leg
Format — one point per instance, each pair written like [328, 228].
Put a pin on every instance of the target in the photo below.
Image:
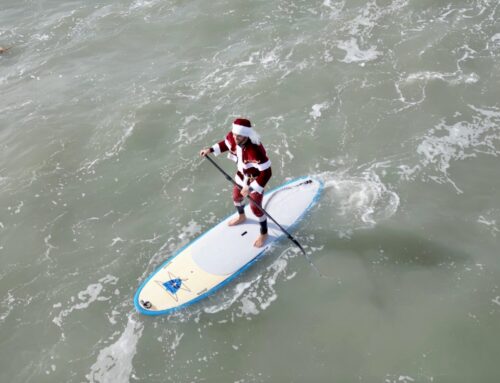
[261, 239]
[240, 207]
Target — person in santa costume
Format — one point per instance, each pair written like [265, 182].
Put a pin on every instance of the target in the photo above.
[254, 171]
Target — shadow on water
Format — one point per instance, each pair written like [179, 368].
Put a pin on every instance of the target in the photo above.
[394, 246]
[387, 255]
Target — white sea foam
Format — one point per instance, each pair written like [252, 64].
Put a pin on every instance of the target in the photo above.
[114, 362]
[141, 4]
[7, 305]
[483, 220]
[367, 18]
[190, 133]
[490, 222]
[249, 298]
[445, 143]
[3, 180]
[108, 140]
[405, 379]
[175, 342]
[237, 292]
[84, 227]
[49, 246]
[357, 201]
[317, 108]
[335, 9]
[86, 298]
[115, 241]
[270, 58]
[391, 378]
[112, 152]
[189, 230]
[119, 145]
[354, 54]
[454, 78]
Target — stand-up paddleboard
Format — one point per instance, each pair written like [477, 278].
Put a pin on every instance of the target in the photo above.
[222, 253]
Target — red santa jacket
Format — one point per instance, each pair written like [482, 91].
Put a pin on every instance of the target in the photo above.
[254, 167]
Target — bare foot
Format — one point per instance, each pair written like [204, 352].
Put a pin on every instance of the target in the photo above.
[237, 220]
[3, 50]
[261, 239]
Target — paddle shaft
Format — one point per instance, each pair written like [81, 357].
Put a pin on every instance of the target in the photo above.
[229, 178]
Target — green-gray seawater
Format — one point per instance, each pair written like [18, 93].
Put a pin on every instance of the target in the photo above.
[394, 104]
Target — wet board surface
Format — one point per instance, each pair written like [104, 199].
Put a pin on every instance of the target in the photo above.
[223, 252]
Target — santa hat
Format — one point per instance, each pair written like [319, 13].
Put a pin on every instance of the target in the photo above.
[243, 127]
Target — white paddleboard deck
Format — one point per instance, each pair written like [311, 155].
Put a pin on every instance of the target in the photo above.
[223, 252]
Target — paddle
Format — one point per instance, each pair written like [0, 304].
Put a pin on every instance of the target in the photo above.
[289, 236]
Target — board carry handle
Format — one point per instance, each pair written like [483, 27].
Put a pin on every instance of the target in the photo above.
[289, 236]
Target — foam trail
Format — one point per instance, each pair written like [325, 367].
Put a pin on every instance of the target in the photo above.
[251, 297]
[363, 200]
[114, 363]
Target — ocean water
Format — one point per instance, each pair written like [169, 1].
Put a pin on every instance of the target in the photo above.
[394, 104]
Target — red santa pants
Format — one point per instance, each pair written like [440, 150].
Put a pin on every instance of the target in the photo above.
[257, 197]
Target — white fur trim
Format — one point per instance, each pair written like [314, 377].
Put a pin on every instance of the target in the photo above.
[242, 130]
[255, 138]
[256, 187]
[216, 149]
[264, 166]
[232, 157]
[262, 219]
[239, 155]
[248, 165]
[238, 180]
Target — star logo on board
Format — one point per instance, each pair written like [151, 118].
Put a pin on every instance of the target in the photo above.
[173, 285]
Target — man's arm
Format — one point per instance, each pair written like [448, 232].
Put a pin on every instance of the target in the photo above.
[265, 173]
[219, 147]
